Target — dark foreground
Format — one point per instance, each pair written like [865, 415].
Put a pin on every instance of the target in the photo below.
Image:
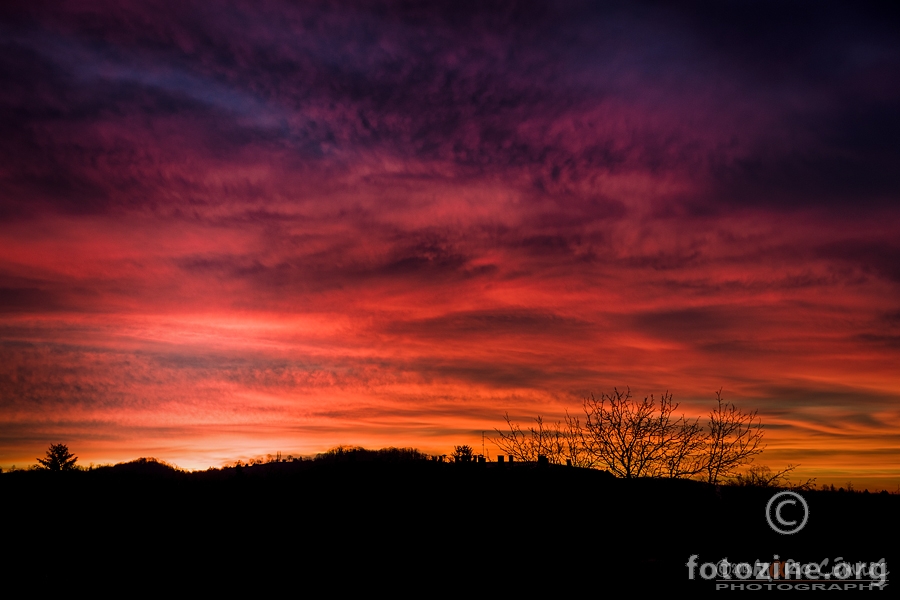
[370, 523]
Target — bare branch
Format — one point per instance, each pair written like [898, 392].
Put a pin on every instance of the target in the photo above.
[735, 437]
[557, 442]
[763, 476]
[640, 439]
[646, 438]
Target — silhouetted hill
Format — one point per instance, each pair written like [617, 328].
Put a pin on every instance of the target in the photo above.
[393, 511]
[141, 468]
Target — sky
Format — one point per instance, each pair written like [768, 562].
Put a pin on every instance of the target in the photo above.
[231, 229]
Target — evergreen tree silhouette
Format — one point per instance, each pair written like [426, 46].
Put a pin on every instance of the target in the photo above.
[58, 458]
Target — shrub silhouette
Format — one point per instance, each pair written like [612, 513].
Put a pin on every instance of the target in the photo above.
[463, 453]
[764, 477]
[58, 459]
[358, 453]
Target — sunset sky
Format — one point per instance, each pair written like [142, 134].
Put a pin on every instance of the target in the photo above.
[231, 229]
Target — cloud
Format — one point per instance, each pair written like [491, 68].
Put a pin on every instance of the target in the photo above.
[268, 218]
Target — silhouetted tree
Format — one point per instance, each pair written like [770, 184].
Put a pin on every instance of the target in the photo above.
[58, 459]
[462, 453]
[734, 438]
[683, 456]
[646, 438]
[557, 442]
[641, 439]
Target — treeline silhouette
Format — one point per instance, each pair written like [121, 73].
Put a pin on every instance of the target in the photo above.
[631, 437]
[397, 511]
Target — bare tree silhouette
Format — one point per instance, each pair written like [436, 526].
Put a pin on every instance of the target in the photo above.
[735, 437]
[58, 458]
[645, 438]
[558, 442]
[641, 439]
